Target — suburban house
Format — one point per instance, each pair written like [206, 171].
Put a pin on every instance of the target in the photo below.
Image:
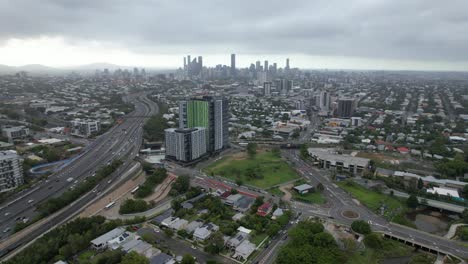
[244, 250]
[264, 209]
[100, 243]
[205, 231]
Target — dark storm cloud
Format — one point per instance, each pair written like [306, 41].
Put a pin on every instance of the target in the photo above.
[391, 29]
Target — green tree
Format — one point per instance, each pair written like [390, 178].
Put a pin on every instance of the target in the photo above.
[464, 234]
[303, 151]
[188, 259]
[465, 191]
[361, 227]
[373, 240]
[215, 243]
[273, 229]
[252, 150]
[412, 201]
[420, 184]
[320, 187]
[134, 258]
[465, 216]
[276, 151]
[181, 185]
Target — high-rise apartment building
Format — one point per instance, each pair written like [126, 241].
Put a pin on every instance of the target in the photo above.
[346, 107]
[208, 112]
[185, 144]
[11, 170]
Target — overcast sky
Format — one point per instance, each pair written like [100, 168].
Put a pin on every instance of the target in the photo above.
[358, 34]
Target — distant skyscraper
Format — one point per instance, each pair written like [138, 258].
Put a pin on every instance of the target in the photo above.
[185, 144]
[188, 61]
[346, 107]
[287, 64]
[208, 112]
[257, 65]
[267, 88]
[200, 62]
[265, 66]
[233, 64]
[185, 62]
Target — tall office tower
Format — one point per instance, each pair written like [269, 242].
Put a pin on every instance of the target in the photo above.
[11, 170]
[346, 107]
[233, 64]
[188, 61]
[275, 68]
[208, 112]
[287, 64]
[257, 65]
[200, 62]
[261, 77]
[325, 101]
[185, 144]
[267, 88]
[185, 62]
[265, 66]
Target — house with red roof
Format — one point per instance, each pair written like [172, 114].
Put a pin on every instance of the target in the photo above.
[403, 150]
[264, 209]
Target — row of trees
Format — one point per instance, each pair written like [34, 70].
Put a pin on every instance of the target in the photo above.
[310, 244]
[153, 130]
[147, 188]
[130, 206]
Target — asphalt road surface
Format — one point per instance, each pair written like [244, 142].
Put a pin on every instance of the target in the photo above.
[341, 201]
[120, 142]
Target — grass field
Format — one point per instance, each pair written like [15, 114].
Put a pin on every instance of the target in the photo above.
[395, 208]
[264, 170]
[312, 197]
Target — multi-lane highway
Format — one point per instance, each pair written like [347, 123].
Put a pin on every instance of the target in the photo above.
[120, 142]
[341, 201]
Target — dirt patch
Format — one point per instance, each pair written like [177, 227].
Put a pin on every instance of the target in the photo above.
[117, 195]
[286, 189]
[350, 214]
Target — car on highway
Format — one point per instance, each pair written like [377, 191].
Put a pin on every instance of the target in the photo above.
[6, 230]
[7, 213]
[70, 179]
[30, 201]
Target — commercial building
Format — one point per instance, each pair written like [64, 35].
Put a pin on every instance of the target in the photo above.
[84, 128]
[11, 170]
[346, 107]
[186, 144]
[267, 88]
[212, 114]
[328, 159]
[233, 64]
[15, 132]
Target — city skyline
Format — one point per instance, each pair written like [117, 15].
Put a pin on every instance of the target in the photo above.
[419, 35]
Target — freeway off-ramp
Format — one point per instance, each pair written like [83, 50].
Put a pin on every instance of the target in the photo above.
[122, 141]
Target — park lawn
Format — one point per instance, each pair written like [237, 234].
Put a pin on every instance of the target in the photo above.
[396, 208]
[369, 198]
[276, 191]
[311, 197]
[270, 170]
